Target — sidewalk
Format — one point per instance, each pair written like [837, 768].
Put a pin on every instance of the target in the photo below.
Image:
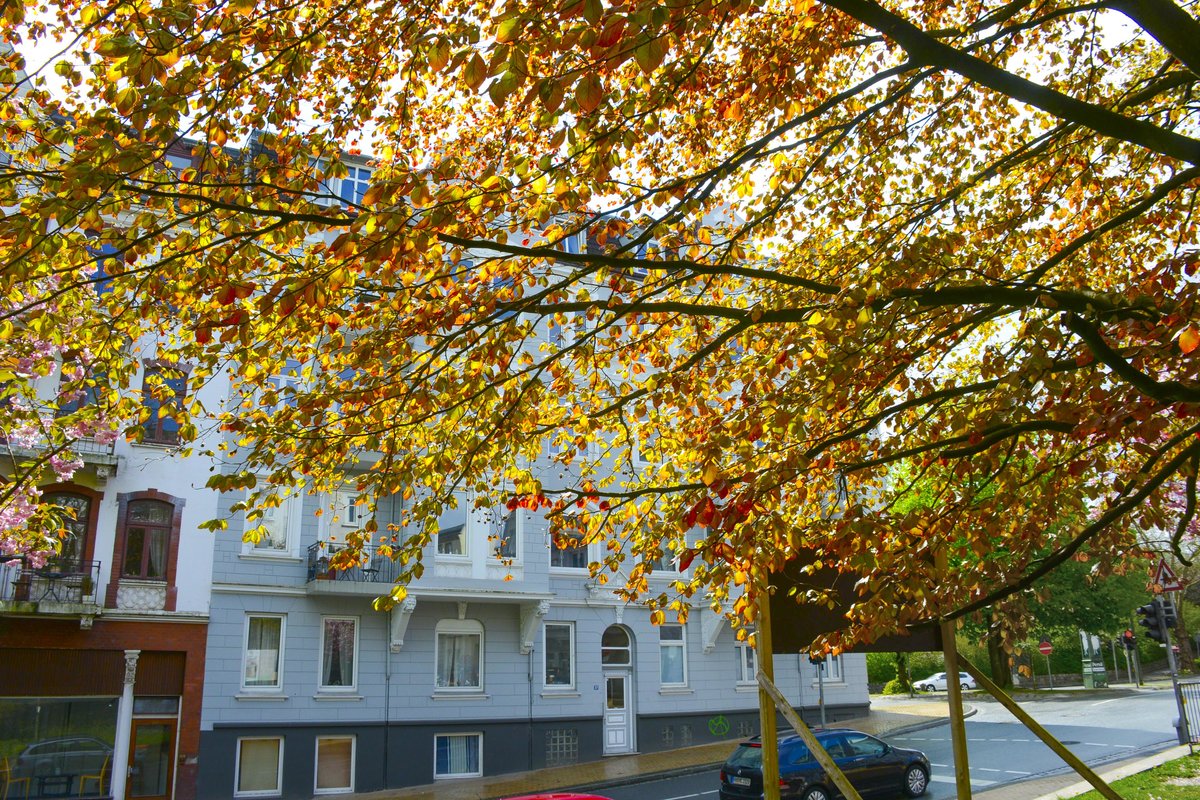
[886, 717]
[1061, 787]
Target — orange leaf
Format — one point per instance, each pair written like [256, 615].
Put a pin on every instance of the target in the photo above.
[588, 94]
[1189, 339]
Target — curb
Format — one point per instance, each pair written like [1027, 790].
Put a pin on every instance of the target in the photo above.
[1124, 771]
[628, 780]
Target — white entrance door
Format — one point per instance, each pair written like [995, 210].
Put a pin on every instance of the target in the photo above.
[618, 714]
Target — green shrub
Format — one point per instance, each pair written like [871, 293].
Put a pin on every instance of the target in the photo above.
[881, 667]
[894, 687]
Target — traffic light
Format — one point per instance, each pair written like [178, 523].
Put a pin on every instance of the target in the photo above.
[1129, 640]
[1154, 620]
[1168, 610]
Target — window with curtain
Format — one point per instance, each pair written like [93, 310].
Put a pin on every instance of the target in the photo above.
[672, 660]
[457, 755]
[560, 655]
[276, 523]
[452, 528]
[259, 767]
[263, 651]
[335, 765]
[147, 537]
[459, 654]
[339, 642]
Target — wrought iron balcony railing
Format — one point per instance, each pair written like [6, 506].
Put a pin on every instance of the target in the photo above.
[374, 566]
[56, 581]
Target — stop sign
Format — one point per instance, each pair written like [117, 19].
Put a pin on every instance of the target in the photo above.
[1045, 648]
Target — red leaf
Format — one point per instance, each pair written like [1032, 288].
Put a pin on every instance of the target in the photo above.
[1189, 339]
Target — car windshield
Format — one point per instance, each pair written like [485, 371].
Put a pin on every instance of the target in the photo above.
[746, 756]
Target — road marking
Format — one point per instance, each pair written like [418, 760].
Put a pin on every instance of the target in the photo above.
[1017, 772]
[951, 779]
[1113, 700]
[695, 794]
[988, 769]
[997, 740]
[943, 766]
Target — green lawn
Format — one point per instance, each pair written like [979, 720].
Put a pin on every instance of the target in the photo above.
[1175, 780]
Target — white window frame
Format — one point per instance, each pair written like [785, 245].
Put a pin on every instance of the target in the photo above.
[478, 752]
[835, 670]
[237, 768]
[291, 509]
[681, 645]
[321, 685]
[317, 764]
[466, 506]
[747, 668]
[356, 174]
[570, 684]
[457, 627]
[493, 545]
[277, 688]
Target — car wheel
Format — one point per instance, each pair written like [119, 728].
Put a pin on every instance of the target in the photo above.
[916, 781]
[965, 687]
[926, 687]
[816, 793]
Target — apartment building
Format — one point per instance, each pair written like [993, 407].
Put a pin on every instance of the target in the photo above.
[102, 646]
[504, 656]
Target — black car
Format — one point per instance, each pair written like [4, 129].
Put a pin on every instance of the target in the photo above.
[873, 767]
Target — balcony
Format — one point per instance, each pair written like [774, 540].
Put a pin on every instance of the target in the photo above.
[100, 456]
[58, 587]
[374, 567]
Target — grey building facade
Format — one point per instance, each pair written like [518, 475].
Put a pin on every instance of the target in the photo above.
[505, 656]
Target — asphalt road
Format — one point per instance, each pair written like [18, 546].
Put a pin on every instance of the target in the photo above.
[1097, 727]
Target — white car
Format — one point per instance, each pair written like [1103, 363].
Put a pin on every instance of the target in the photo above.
[937, 682]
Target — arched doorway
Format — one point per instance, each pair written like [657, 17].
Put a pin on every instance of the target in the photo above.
[616, 659]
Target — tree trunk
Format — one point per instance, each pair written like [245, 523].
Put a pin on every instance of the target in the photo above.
[998, 659]
[902, 674]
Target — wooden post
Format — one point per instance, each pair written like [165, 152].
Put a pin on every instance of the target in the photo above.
[958, 726]
[766, 707]
[1059, 749]
[823, 758]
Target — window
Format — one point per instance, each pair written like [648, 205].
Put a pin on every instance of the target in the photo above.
[747, 663]
[283, 388]
[503, 537]
[831, 668]
[671, 654]
[459, 655]
[263, 659]
[339, 644]
[335, 765]
[259, 769]
[163, 390]
[560, 655]
[862, 745]
[348, 515]
[147, 539]
[76, 522]
[276, 525]
[615, 647]
[452, 529]
[457, 755]
[354, 185]
[573, 556]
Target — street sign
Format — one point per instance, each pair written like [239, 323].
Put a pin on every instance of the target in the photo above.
[1045, 648]
[1165, 579]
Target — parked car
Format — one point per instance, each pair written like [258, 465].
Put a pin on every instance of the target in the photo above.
[937, 682]
[873, 766]
[69, 755]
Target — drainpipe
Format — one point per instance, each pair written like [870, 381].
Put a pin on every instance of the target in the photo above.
[120, 756]
[531, 708]
[387, 701]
